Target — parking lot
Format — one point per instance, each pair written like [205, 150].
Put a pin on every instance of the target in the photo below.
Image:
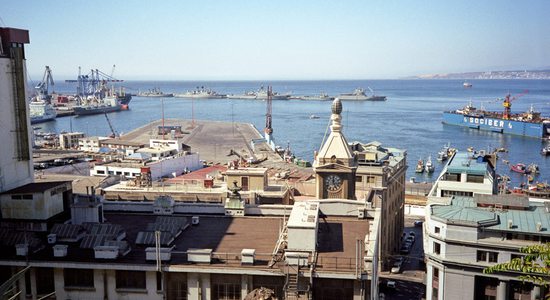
[409, 282]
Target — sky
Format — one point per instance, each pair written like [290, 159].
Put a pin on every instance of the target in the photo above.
[280, 40]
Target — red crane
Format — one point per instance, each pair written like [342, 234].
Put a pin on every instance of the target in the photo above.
[507, 103]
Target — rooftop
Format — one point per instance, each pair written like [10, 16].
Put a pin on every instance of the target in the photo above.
[226, 236]
[464, 210]
[464, 162]
[35, 187]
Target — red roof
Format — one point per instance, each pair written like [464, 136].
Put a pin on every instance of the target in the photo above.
[199, 174]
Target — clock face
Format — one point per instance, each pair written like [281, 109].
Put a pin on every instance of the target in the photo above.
[333, 183]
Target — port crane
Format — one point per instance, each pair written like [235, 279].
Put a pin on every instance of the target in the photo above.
[93, 83]
[268, 130]
[44, 86]
[114, 134]
[507, 103]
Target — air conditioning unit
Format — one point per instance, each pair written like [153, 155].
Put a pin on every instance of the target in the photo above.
[52, 238]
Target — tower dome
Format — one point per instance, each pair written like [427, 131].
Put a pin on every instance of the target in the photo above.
[336, 106]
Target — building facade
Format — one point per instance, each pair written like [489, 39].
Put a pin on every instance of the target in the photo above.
[16, 158]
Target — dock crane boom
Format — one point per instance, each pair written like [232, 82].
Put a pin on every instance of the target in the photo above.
[44, 86]
[114, 134]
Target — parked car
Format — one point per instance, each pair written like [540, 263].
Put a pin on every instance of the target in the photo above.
[411, 233]
[410, 239]
[418, 223]
[391, 284]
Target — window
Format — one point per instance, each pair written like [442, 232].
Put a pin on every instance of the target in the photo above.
[474, 178]
[493, 257]
[100, 172]
[437, 248]
[481, 256]
[44, 281]
[514, 255]
[159, 281]
[437, 230]
[371, 179]
[358, 178]
[22, 197]
[487, 256]
[126, 173]
[226, 291]
[78, 277]
[130, 280]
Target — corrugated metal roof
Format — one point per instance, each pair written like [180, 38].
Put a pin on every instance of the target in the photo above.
[67, 231]
[148, 238]
[91, 240]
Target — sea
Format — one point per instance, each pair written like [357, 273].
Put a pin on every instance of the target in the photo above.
[410, 119]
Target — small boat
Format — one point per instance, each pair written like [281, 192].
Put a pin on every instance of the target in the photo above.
[545, 151]
[430, 168]
[467, 84]
[443, 154]
[533, 168]
[419, 166]
[530, 178]
[519, 168]
[314, 117]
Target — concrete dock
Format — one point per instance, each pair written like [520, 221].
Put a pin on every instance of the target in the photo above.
[213, 140]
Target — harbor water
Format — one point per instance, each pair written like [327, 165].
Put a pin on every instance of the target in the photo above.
[410, 119]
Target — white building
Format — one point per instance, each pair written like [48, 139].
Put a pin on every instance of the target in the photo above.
[468, 234]
[90, 144]
[165, 167]
[466, 174]
[16, 157]
[468, 228]
[70, 140]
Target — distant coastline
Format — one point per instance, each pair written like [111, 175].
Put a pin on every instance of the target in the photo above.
[536, 74]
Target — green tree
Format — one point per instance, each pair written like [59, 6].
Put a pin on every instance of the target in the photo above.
[534, 267]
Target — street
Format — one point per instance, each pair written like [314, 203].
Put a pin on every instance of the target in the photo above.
[409, 282]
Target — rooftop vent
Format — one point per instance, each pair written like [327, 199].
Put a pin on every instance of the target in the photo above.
[60, 250]
[21, 249]
[539, 226]
[165, 254]
[510, 224]
[52, 238]
[199, 255]
[247, 256]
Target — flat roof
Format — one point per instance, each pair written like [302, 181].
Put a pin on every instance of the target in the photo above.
[464, 210]
[199, 174]
[226, 236]
[35, 187]
[463, 162]
[241, 171]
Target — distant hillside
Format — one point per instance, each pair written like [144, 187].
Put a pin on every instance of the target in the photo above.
[536, 74]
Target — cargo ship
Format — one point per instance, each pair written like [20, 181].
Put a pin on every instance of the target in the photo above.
[530, 123]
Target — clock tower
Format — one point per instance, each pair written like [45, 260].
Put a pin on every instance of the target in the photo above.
[335, 164]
